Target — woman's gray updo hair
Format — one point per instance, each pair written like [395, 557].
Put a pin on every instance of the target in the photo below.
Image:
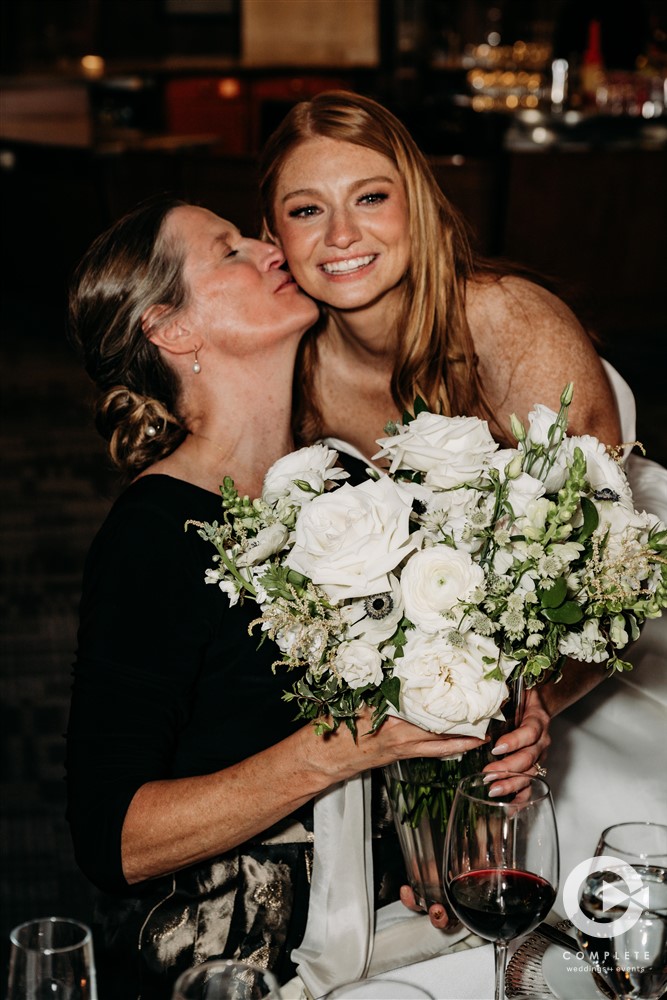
[129, 268]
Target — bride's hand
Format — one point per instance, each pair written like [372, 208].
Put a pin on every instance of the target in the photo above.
[436, 913]
[524, 748]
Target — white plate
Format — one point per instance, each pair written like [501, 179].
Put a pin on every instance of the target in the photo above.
[543, 970]
[568, 978]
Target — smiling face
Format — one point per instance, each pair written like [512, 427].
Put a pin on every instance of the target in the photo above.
[341, 219]
[238, 293]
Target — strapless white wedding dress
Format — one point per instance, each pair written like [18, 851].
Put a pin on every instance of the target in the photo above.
[605, 766]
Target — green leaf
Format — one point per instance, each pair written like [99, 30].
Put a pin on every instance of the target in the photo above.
[391, 689]
[591, 518]
[555, 595]
[566, 614]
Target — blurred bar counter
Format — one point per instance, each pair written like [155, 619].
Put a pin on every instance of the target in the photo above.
[577, 194]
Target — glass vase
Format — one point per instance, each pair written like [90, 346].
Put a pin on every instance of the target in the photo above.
[421, 791]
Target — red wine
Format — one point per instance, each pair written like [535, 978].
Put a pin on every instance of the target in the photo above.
[501, 903]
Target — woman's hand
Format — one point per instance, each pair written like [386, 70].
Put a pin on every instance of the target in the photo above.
[523, 750]
[341, 757]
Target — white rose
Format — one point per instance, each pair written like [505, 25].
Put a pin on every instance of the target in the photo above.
[435, 580]
[359, 663]
[350, 540]
[315, 465]
[443, 686]
[450, 450]
[375, 618]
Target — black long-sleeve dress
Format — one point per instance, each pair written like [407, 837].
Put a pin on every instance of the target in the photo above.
[167, 684]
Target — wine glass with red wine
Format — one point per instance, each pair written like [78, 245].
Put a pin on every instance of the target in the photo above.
[501, 859]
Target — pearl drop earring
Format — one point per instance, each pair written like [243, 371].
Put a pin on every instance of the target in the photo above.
[196, 366]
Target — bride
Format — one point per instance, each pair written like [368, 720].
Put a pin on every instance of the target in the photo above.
[407, 309]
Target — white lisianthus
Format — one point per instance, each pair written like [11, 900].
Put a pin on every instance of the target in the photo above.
[521, 488]
[434, 580]
[265, 544]
[349, 541]
[315, 465]
[359, 663]
[375, 618]
[444, 687]
[450, 450]
[588, 645]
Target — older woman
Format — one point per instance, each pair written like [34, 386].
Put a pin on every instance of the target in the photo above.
[189, 782]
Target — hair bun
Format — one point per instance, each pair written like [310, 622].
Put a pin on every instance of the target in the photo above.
[140, 430]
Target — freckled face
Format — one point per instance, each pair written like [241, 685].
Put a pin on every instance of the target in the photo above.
[341, 218]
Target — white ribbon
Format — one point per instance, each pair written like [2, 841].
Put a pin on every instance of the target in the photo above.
[337, 945]
[345, 940]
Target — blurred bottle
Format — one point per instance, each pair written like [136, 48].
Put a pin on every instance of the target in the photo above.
[592, 66]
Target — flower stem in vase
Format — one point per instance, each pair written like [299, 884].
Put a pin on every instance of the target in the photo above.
[421, 791]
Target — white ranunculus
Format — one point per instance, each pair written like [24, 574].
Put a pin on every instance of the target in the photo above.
[375, 618]
[443, 686]
[315, 465]
[266, 543]
[359, 663]
[450, 450]
[348, 541]
[434, 580]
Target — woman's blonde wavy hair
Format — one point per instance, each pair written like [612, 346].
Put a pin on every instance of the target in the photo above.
[129, 268]
[436, 358]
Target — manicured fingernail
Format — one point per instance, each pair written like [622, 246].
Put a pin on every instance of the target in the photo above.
[495, 791]
[500, 748]
[488, 778]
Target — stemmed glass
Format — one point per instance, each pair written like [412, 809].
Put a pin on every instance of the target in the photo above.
[53, 957]
[621, 923]
[226, 979]
[501, 860]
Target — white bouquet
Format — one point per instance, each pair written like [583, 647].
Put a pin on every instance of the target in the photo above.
[426, 589]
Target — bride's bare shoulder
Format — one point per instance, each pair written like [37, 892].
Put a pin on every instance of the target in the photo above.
[530, 345]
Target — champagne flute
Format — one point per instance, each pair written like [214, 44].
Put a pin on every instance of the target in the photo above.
[622, 923]
[51, 957]
[225, 979]
[501, 860]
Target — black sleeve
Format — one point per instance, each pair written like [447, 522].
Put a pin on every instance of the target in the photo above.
[142, 638]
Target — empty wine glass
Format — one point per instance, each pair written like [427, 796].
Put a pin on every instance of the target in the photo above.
[622, 923]
[51, 957]
[225, 979]
[501, 860]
